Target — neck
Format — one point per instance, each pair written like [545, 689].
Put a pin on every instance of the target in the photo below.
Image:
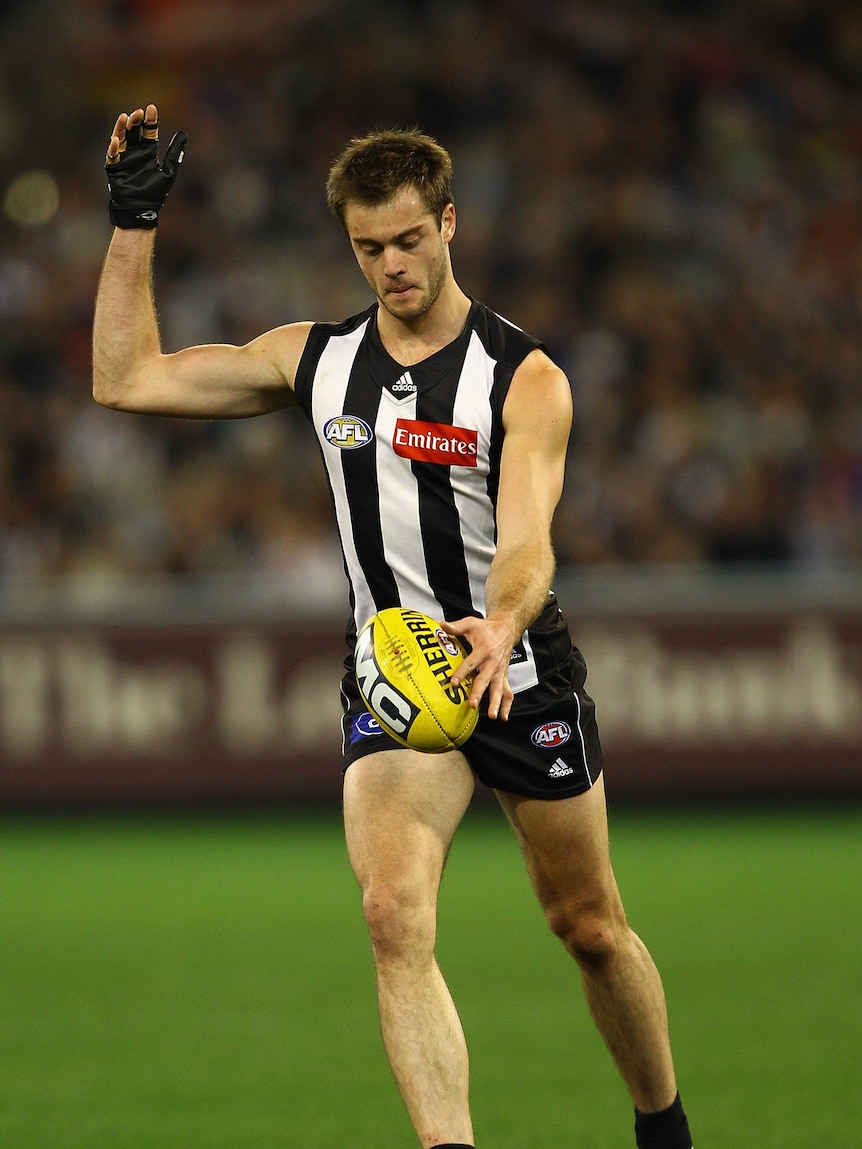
[411, 340]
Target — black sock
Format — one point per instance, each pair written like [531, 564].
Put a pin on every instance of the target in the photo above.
[454, 1145]
[667, 1129]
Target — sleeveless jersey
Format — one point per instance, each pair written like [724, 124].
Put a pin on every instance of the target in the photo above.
[412, 456]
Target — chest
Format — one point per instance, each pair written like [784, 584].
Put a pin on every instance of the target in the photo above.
[441, 413]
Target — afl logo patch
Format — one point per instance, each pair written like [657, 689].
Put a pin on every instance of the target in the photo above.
[551, 735]
[447, 642]
[347, 432]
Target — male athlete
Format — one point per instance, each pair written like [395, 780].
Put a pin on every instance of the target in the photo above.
[444, 430]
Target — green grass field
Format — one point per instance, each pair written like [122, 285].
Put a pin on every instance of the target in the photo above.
[181, 983]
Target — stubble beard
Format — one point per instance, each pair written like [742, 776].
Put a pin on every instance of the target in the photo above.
[435, 286]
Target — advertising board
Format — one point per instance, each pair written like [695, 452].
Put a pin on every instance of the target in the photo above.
[689, 707]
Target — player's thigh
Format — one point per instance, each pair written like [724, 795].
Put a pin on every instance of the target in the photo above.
[565, 844]
[401, 810]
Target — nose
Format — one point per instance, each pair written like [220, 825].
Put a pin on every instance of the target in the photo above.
[393, 262]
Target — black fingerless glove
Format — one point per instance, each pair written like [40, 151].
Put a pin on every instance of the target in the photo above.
[138, 183]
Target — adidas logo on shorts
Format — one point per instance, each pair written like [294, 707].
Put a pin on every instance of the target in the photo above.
[560, 769]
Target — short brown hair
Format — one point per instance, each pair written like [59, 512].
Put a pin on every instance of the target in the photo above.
[373, 168]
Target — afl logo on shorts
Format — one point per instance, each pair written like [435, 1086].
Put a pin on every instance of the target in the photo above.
[551, 735]
[347, 432]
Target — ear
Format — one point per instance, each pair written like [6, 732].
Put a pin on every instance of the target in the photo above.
[447, 222]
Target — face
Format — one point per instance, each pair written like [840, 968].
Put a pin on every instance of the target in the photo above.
[402, 251]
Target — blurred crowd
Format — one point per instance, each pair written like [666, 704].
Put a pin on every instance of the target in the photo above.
[668, 192]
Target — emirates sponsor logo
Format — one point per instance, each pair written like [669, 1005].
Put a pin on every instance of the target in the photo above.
[436, 443]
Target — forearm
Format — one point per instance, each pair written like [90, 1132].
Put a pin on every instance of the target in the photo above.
[516, 588]
[518, 583]
[125, 328]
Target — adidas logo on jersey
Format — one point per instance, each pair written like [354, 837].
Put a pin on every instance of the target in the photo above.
[560, 769]
[404, 385]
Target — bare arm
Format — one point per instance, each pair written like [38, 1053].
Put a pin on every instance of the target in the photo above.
[218, 381]
[131, 373]
[537, 419]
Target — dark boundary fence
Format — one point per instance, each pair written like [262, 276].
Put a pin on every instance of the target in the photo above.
[706, 690]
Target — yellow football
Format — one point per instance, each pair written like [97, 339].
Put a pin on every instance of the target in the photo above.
[404, 663]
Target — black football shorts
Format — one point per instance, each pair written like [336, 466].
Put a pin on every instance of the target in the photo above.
[548, 748]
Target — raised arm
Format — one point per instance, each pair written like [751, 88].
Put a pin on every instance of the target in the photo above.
[537, 419]
[130, 372]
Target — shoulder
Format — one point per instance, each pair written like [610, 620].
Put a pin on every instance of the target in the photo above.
[296, 338]
[321, 333]
[284, 345]
[271, 360]
[318, 337]
[503, 340]
[293, 350]
[539, 394]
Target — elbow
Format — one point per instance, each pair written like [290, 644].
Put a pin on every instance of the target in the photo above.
[103, 394]
[134, 389]
[109, 392]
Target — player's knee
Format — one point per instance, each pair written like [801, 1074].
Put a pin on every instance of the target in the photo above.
[591, 935]
[399, 924]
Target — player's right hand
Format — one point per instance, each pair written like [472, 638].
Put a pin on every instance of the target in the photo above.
[138, 183]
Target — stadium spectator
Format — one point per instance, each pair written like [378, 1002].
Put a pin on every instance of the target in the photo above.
[688, 242]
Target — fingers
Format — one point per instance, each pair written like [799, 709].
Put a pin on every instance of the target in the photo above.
[500, 695]
[125, 122]
[500, 698]
[150, 125]
[487, 662]
[459, 629]
[117, 144]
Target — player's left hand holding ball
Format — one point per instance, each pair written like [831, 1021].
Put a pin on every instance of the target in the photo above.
[138, 182]
[491, 643]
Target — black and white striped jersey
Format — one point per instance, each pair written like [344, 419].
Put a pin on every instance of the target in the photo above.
[413, 458]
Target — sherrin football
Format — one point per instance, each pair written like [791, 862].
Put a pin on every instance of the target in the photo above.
[404, 661]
